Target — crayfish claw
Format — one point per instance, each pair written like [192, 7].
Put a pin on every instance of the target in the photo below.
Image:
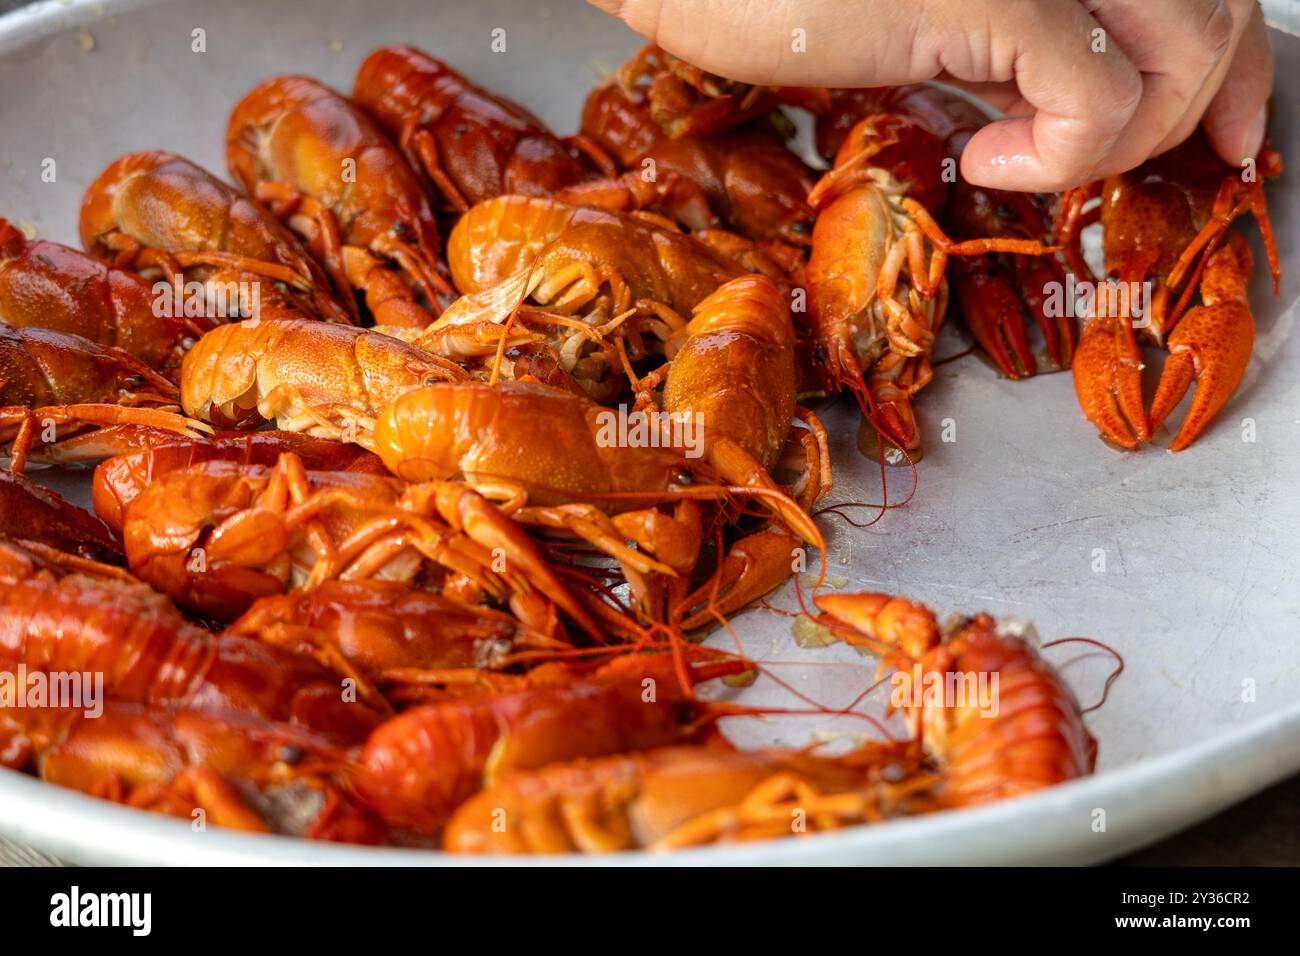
[993, 313]
[1108, 382]
[1211, 345]
[887, 621]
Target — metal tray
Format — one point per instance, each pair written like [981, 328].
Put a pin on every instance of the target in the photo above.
[1199, 591]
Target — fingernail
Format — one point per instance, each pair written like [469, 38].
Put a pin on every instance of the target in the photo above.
[1255, 135]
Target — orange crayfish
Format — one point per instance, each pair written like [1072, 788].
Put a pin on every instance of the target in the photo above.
[1163, 229]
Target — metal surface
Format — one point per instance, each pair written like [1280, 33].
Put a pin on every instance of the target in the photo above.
[1185, 564]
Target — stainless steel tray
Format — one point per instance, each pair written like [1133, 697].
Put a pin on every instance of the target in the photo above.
[1199, 591]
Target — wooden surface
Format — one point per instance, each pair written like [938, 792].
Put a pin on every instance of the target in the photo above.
[1263, 831]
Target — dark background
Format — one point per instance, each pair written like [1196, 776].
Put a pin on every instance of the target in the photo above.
[1263, 831]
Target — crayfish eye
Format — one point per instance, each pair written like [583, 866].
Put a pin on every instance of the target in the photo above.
[430, 380]
[400, 229]
[683, 476]
[290, 754]
[799, 227]
[133, 381]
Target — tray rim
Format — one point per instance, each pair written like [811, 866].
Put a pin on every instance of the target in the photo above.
[1143, 803]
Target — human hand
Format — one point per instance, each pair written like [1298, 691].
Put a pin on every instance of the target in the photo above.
[1089, 87]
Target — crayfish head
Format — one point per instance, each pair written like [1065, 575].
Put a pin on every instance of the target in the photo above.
[140, 194]
[1146, 226]
[895, 144]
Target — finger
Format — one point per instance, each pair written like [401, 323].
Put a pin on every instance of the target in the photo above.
[1083, 94]
[1241, 11]
[843, 43]
[1181, 48]
[1237, 115]
[879, 43]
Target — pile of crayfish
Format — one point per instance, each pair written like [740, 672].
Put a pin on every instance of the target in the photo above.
[425, 452]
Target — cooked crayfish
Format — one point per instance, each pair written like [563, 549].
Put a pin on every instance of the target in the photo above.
[416, 768]
[876, 287]
[753, 183]
[53, 384]
[1030, 733]
[323, 379]
[664, 798]
[993, 292]
[685, 100]
[145, 455]
[412, 642]
[966, 750]
[579, 250]
[576, 475]
[328, 169]
[160, 214]
[203, 766]
[217, 535]
[1161, 225]
[49, 286]
[68, 617]
[732, 373]
[608, 280]
[471, 144]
